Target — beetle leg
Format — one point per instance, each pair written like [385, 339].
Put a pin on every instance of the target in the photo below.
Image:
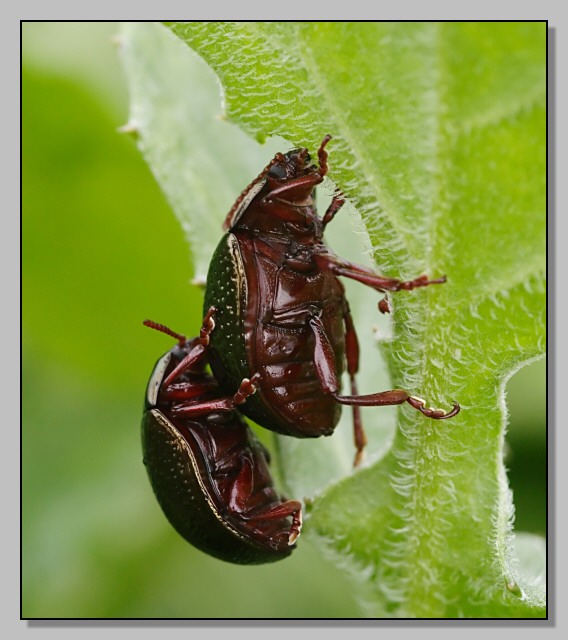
[293, 189]
[324, 362]
[241, 492]
[384, 305]
[324, 357]
[241, 489]
[325, 369]
[381, 283]
[381, 399]
[397, 396]
[436, 414]
[197, 355]
[203, 408]
[335, 205]
[366, 276]
[289, 508]
[352, 356]
[207, 326]
[188, 390]
[246, 389]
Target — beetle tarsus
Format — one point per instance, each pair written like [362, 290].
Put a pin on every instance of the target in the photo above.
[296, 528]
[384, 305]
[421, 281]
[435, 414]
[337, 202]
[207, 326]
[359, 457]
[248, 388]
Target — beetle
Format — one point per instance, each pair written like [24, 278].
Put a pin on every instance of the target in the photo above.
[208, 471]
[282, 311]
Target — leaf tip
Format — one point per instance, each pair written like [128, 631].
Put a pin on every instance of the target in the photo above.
[513, 587]
[260, 137]
[130, 128]
[199, 281]
[308, 504]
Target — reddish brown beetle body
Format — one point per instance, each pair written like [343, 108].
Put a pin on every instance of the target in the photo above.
[281, 346]
[282, 312]
[209, 472]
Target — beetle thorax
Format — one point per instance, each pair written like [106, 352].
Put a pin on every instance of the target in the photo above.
[298, 221]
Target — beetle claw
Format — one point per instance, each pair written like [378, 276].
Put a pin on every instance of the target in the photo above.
[384, 305]
[359, 457]
[435, 414]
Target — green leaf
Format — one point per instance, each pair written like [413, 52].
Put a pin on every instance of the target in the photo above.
[439, 144]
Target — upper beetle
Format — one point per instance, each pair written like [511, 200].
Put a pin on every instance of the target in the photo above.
[209, 472]
[282, 312]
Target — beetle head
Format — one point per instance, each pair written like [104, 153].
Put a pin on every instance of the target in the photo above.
[287, 182]
[297, 163]
[291, 165]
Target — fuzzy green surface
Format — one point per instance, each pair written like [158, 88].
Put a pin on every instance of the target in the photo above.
[439, 142]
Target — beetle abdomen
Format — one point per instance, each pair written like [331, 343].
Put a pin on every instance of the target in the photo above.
[303, 410]
[289, 383]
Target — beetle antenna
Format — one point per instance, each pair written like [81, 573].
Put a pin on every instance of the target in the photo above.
[162, 327]
[279, 157]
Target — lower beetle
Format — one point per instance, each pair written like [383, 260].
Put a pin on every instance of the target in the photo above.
[282, 311]
[209, 472]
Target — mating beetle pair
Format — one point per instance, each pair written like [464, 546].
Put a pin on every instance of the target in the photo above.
[283, 329]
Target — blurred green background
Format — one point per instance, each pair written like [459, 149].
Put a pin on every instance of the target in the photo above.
[101, 252]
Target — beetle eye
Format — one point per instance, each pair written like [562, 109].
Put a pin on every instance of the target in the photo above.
[277, 171]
